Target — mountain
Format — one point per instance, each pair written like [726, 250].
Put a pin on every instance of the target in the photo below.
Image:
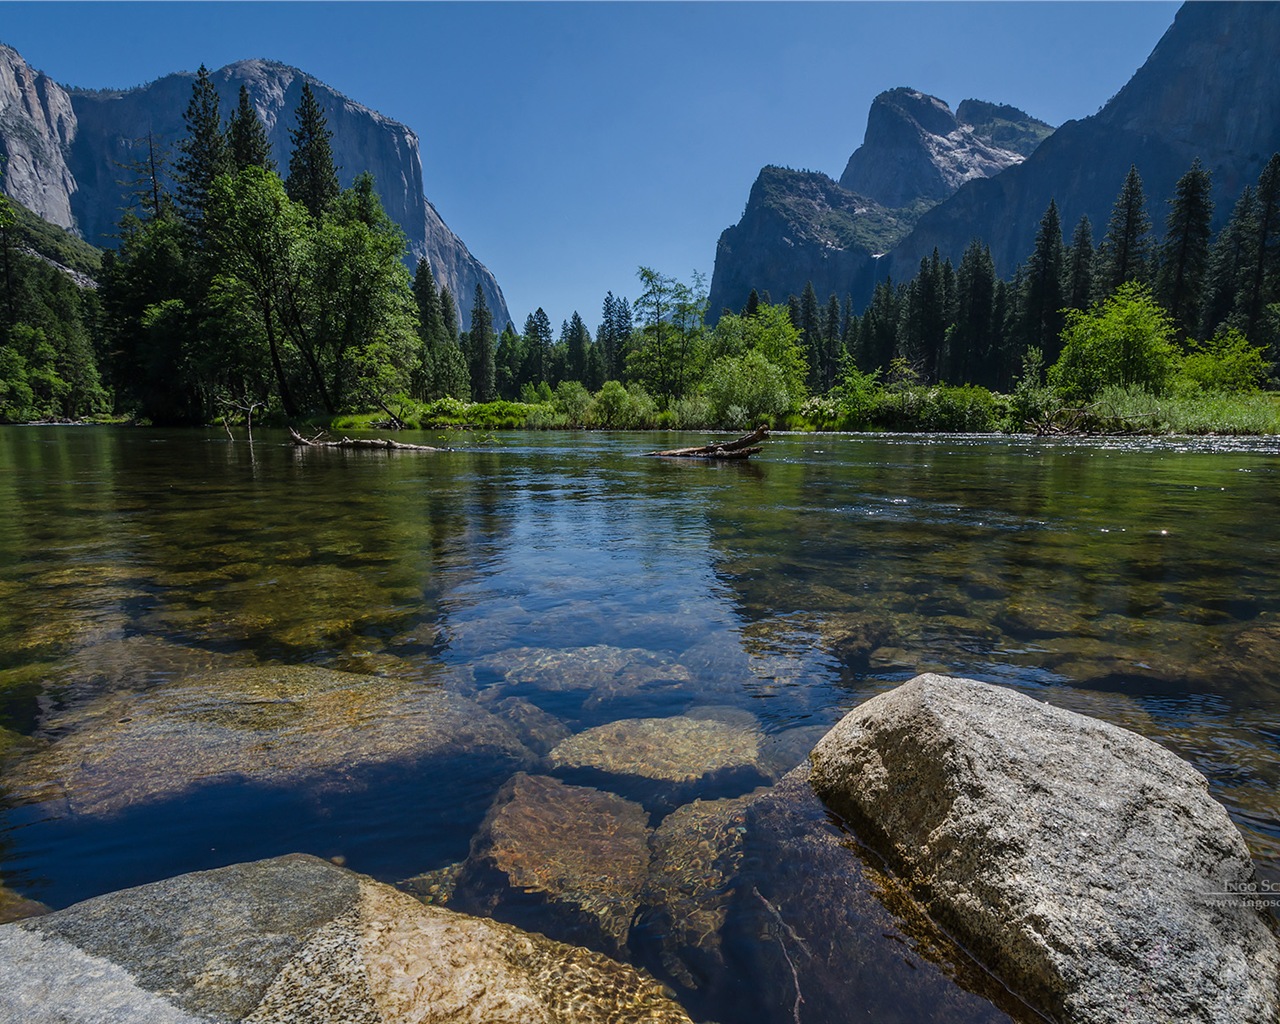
[916, 149]
[801, 226]
[37, 128]
[1208, 90]
[68, 150]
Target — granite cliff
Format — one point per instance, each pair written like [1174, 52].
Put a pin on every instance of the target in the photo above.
[66, 150]
[802, 226]
[37, 128]
[1208, 90]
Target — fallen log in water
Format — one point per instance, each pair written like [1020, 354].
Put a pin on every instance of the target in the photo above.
[358, 442]
[742, 448]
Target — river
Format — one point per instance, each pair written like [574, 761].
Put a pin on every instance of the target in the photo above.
[1137, 580]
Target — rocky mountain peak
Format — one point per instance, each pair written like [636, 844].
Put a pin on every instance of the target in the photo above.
[915, 149]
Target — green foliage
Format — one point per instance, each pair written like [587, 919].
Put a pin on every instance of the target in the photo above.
[1032, 404]
[1133, 410]
[744, 391]
[616, 407]
[1226, 364]
[572, 400]
[856, 395]
[1127, 340]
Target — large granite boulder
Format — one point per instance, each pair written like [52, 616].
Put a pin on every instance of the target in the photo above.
[296, 940]
[273, 725]
[1086, 865]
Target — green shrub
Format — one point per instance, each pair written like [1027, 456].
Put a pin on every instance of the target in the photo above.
[745, 391]
[1225, 363]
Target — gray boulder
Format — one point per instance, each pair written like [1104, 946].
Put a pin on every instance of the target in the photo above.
[298, 940]
[1082, 862]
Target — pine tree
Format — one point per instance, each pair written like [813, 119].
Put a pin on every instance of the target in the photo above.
[969, 342]
[537, 347]
[1261, 253]
[753, 304]
[577, 340]
[1184, 255]
[810, 326]
[830, 343]
[482, 354]
[1227, 258]
[430, 332]
[1043, 302]
[247, 138]
[878, 329]
[448, 314]
[1125, 253]
[313, 179]
[1077, 289]
[204, 153]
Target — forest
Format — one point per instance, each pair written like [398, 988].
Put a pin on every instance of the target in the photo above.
[242, 290]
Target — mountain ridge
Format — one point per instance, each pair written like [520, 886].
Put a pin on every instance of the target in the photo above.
[70, 177]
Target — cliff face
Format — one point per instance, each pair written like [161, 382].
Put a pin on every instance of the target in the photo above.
[1208, 90]
[802, 226]
[100, 134]
[37, 127]
[916, 149]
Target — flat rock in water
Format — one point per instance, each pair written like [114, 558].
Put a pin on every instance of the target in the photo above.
[295, 940]
[602, 674]
[567, 859]
[670, 761]
[272, 725]
[1081, 862]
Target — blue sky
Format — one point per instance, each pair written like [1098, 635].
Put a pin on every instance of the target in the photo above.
[569, 143]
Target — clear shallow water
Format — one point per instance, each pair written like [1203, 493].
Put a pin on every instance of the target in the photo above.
[1138, 581]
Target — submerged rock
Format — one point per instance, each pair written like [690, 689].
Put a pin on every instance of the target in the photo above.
[566, 860]
[272, 725]
[669, 761]
[697, 852]
[761, 909]
[601, 674]
[14, 907]
[1083, 863]
[296, 940]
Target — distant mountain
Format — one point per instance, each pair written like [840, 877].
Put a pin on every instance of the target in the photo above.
[802, 226]
[1208, 90]
[67, 151]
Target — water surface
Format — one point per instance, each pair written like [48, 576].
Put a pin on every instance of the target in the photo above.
[1138, 581]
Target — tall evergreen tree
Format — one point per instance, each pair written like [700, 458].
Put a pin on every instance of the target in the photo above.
[969, 341]
[577, 340]
[925, 318]
[313, 179]
[204, 153]
[878, 328]
[1261, 269]
[753, 304]
[537, 347]
[430, 332]
[1043, 302]
[1125, 253]
[1184, 254]
[482, 354]
[1227, 260]
[810, 325]
[448, 314]
[1077, 289]
[247, 138]
[831, 347]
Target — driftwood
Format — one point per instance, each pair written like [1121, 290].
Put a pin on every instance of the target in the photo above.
[358, 442]
[742, 448]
